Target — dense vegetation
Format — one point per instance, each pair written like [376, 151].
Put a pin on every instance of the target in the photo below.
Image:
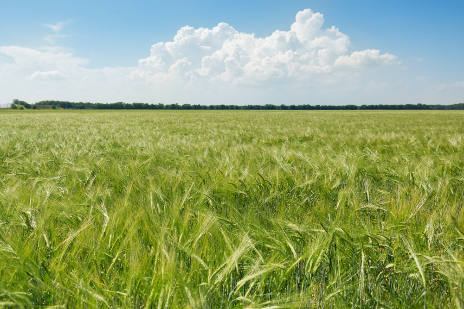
[236, 209]
[122, 105]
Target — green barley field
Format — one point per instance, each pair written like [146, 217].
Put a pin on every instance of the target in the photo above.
[231, 209]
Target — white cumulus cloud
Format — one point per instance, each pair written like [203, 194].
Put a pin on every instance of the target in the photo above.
[366, 58]
[306, 52]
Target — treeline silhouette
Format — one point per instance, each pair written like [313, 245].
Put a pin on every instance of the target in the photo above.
[122, 105]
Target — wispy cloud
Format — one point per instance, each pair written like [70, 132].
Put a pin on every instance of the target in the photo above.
[56, 28]
[455, 85]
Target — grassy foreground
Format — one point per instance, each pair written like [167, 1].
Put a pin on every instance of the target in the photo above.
[233, 209]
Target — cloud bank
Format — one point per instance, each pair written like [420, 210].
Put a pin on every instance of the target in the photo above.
[306, 64]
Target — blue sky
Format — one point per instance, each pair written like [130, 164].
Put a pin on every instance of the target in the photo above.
[389, 52]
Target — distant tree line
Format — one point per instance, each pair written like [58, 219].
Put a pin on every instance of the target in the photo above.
[122, 105]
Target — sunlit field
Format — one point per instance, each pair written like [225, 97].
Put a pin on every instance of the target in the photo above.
[231, 209]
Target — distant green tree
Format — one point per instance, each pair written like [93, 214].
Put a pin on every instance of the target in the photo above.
[14, 106]
[21, 103]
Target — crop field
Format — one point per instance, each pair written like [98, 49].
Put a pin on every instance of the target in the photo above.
[231, 209]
